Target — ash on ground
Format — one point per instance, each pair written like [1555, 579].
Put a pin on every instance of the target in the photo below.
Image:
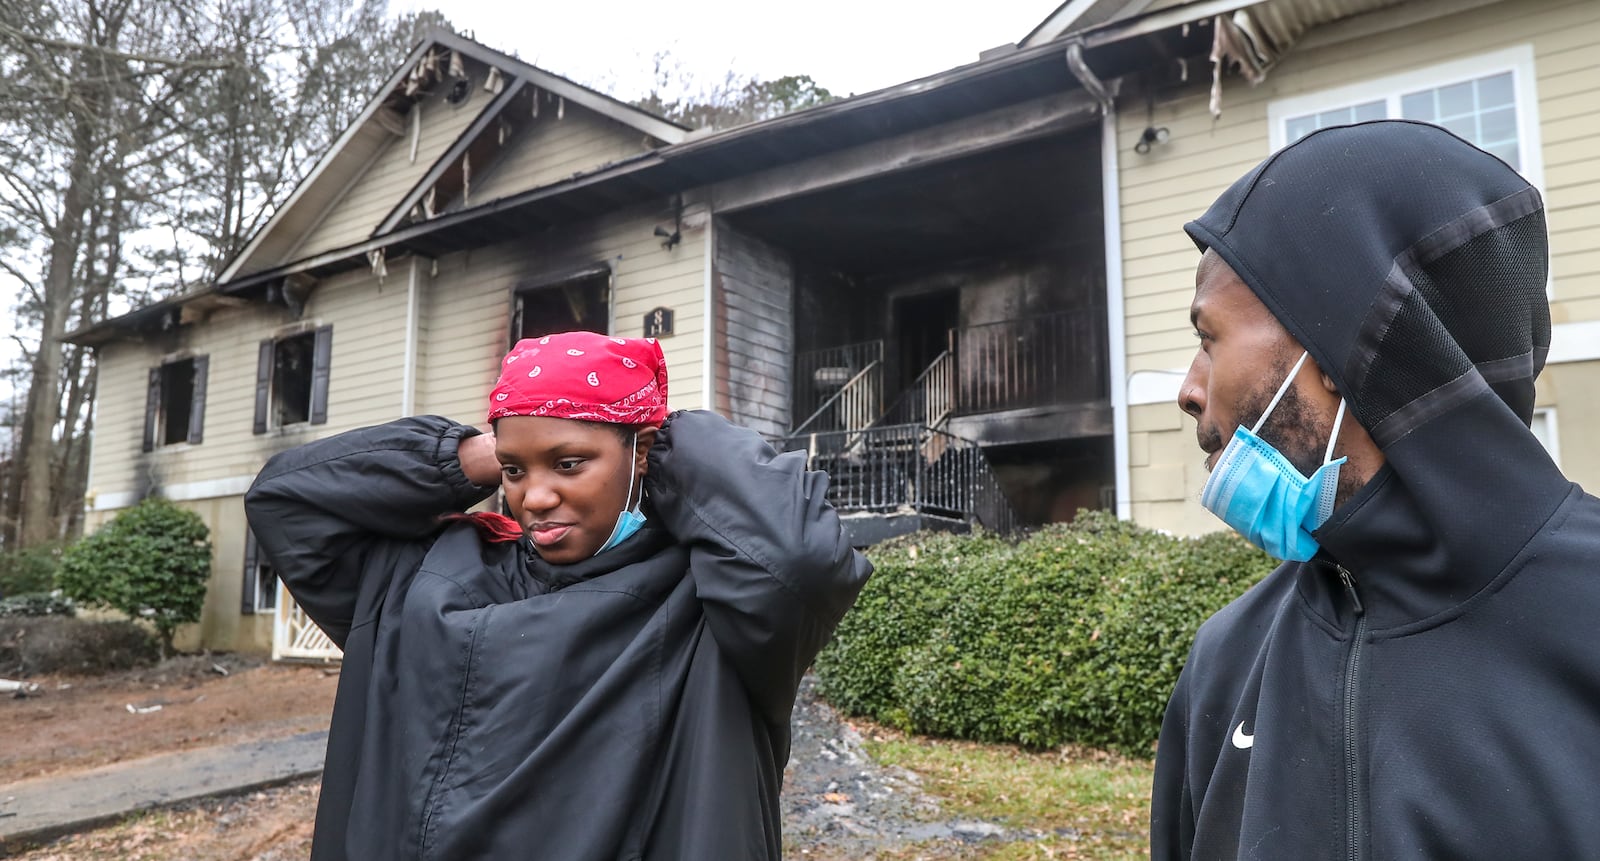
[838, 802]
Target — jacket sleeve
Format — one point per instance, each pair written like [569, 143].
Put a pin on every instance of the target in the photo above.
[769, 558]
[339, 516]
[1171, 805]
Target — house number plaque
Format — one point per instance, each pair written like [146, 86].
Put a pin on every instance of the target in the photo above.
[658, 323]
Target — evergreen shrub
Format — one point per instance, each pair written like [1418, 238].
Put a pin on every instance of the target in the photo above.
[151, 562]
[29, 570]
[1073, 634]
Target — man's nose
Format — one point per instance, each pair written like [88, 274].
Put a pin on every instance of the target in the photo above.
[1192, 394]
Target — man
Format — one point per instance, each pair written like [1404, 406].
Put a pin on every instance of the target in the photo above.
[608, 674]
[1420, 679]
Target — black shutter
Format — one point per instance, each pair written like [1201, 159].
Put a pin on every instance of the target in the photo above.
[152, 409]
[197, 405]
[247, 589]
[263, 385]
[321, 358]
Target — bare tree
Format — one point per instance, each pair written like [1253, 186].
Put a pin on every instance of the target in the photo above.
[142, 142]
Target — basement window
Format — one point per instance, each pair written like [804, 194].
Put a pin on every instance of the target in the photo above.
[175, 403]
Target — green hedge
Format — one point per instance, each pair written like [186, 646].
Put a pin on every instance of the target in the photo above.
[1074, 634]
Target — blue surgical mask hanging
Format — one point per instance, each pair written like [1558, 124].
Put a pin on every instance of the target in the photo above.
[1258, 492]
[631, 519]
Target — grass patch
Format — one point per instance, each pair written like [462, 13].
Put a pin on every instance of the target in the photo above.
[1092, 804]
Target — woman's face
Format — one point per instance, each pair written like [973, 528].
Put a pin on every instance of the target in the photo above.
[566, 481]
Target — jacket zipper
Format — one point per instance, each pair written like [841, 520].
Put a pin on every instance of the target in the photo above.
[1352, 775]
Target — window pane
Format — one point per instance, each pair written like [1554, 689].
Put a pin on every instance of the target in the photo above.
[1370, 111]
[291, 379]
[1296, 128]
[1418, 106]
[1456, 100]
[1496, 91]
[1499, 125]
[1509, 153]
[1299, 127]
[1465, 127]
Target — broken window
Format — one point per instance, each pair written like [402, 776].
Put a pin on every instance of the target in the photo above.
[175, 403]
[292, 379]
[575, 304]
[259, 591]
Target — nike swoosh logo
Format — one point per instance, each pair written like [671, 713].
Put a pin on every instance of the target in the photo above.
[1242, 740]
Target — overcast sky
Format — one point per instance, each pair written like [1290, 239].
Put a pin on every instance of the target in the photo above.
[847, 46]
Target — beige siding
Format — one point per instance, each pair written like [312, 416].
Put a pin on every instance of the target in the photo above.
[553, 147]
[378, 190]
[1571, 389]
[468, 304]
[1179, 179]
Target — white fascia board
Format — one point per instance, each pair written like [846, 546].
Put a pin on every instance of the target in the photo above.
[1574, 342]
[190, 490]
[326, 161]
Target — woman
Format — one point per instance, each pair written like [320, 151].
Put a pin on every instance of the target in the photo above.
[608, 673]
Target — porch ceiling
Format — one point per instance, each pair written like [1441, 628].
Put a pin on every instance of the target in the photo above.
[1025, 196]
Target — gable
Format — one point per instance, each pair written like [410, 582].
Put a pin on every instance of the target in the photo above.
[452, 106]
[413, 141]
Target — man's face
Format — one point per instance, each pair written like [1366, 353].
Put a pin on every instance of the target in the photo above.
[1244, 355]
[566, 481]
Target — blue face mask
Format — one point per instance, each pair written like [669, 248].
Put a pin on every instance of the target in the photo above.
[629, 521]
[1258, 492]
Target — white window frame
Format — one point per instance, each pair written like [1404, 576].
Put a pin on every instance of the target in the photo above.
[1552, 438]
[1518, 60]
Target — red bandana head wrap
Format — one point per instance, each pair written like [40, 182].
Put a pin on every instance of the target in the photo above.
[582, 375]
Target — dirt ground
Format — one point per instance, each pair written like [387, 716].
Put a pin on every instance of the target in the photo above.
[72, 723]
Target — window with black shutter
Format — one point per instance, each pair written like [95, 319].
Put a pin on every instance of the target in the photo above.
[259, 591]
[175, 404]
[292, 379]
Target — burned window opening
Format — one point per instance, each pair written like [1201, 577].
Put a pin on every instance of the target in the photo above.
[177, 401]
[291, 379]
[577, 304]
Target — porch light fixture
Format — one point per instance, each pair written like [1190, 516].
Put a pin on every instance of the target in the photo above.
[1151, 136]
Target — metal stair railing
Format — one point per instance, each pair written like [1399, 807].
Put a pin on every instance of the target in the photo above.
[907, 468]
[931, 397]
[855, 406]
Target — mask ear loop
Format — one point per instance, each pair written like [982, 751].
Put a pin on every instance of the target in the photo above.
[633, 471]
[1281, 389]
[1338, 420]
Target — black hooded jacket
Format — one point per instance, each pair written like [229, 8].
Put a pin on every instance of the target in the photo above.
[1428, 686]
[491, 706]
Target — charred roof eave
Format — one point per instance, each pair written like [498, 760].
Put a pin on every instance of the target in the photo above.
[709, 157]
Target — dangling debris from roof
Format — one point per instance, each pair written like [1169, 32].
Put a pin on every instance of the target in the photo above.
[494, 83]
[375, 257]
[1254, 40]
[458, 67]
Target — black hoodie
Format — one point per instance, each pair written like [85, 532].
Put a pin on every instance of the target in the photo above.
[492, 706]
[1429, 685]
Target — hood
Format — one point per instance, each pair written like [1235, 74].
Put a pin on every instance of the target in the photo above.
[1412, 266]
[1410, 263]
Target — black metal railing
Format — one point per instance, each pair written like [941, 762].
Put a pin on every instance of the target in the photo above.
[856, 405]
[819, 374]
[930, 398]
[907, 468]
[1047, 360]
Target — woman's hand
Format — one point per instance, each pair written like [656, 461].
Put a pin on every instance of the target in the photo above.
[478, 460]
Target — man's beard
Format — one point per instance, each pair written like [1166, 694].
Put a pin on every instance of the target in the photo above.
[1291, 429]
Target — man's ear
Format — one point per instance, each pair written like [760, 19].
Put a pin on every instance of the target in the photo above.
[1328, 383]
[641, 450]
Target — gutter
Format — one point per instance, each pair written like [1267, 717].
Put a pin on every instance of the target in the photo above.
[1111, 213]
